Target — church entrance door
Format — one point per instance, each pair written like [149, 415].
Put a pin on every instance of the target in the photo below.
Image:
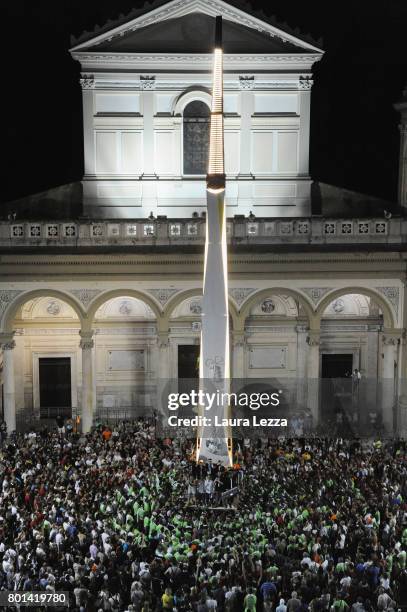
[337, 400]
[55, 386]
[188, 367]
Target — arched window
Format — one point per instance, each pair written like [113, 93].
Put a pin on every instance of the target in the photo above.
[196, 137]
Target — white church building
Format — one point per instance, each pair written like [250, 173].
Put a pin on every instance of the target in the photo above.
[101, 281]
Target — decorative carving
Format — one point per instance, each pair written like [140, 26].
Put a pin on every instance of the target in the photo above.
[303, 227]
[315, 293]
[97, 230]
[305, 82]
[69, 230]
[87, 81]
[8, 346]
[330, 228]
[286, 228]
[86, 341]
[313, 339]
[268, 306]
[201, 59]
[195, 308]
[86, 344]
[239, 340]
[131, 230]
[363, 227]
[17, 231]
[35, 231]
[125, 307]
[252, 229]
[338, 305]
[393, 295]
[54, 308]
[175, 229]
[246, 82]
[381, 227]
[147, 82]
[347, 227]
[85, 296]
[390, 340]
[163, 340]
[192, 229]
[301, 328]
[6, 297]
[240, 294]
[163, 295]
[52, 231]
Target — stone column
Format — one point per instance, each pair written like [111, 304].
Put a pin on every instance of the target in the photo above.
[164, 384]
[402, 424]
[302, 350]
[403, 355]
[163, 344]
[239, 344]
[245, 187]
[371, 375]
[147, 85]
[304, 103]
[390, 344]
[19, 374]
[246, 111]
[7, 345]
[88, 388]
[88, 85]
[313, 341]
[177, 149]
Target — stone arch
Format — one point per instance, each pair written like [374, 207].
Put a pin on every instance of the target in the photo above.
[20, 300]
[389, 319]
[191, 95]
[108, 295]
[184, 295]
[263, 293]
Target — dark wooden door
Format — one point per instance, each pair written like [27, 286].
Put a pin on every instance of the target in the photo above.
[55, 384]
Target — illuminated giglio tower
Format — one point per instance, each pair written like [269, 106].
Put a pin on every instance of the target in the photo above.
[214, 368]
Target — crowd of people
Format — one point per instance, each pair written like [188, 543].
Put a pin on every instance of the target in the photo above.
[125, 521]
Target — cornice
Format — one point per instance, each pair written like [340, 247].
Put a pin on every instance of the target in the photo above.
[186, 260]
[163, 83]
[196, 62]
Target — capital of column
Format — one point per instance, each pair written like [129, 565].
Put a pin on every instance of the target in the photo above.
[163, 339]
[87, 81]
[7, 342]
[147, 82]
[246, 82]
[238, 339]
[301, 328]
[393, 338]
[313, 338]
[86, 342]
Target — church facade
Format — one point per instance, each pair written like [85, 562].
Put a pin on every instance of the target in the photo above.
[101, 282]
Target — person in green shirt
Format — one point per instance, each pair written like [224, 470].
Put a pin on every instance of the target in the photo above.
[250, 601]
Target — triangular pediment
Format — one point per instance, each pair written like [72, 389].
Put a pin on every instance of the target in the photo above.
[187, 26]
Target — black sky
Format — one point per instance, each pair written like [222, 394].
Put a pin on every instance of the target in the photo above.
[354, 130]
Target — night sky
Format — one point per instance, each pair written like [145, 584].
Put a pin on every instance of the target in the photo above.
[354, 129]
